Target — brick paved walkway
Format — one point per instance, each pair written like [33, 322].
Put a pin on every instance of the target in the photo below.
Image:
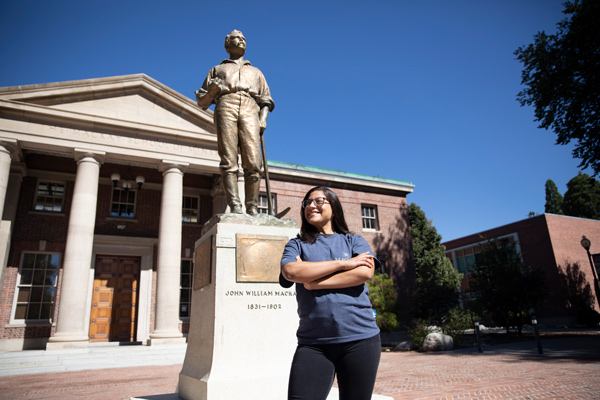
[569, 369]
[475, 376]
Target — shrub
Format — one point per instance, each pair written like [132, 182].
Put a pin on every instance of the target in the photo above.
[383, 295]
[419, 332]
[456, 322]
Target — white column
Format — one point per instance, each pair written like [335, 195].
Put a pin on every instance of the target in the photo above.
[5, 160]
[169, 255]
[71, 325]
[6, 145]
[17, 171]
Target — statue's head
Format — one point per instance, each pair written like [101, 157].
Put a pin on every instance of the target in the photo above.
[233, 35]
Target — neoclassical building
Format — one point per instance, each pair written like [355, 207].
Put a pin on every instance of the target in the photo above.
[105, 185]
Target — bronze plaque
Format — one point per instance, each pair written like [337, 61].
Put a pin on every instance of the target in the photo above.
[202, 264]
[259, 257]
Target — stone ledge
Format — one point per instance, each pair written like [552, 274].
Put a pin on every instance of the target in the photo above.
[245, 219]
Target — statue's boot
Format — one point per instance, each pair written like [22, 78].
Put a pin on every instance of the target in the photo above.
[252, 188]
[231, 191]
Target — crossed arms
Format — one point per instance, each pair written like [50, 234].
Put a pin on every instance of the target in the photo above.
[336, 274]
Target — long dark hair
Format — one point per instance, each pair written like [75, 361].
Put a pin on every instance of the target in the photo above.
[309, 233]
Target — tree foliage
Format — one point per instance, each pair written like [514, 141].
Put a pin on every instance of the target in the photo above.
[506, 287]
[582, 198]
[554, 199]
[561, 76]
[383, 296]
[438, 282]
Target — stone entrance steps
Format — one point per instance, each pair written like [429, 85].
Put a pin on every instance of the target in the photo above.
[94, 357]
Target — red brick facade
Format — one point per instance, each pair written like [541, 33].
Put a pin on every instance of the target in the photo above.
[549, 242]
[389, 242]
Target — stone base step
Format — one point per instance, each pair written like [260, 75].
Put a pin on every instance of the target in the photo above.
[93, 357]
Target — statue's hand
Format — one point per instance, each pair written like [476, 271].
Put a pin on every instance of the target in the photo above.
[263, 114]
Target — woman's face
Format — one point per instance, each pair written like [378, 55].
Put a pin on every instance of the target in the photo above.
[319, 216]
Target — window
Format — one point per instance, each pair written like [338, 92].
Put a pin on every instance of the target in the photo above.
[49, 196]
[369, 217]
[190, 209]
[263, 204]
[466, 259]
[36, 290]
[123, 203]
[185, 297]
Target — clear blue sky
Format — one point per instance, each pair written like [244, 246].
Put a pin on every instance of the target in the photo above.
[418, 91]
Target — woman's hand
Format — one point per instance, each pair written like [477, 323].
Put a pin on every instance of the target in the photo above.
[355, 271]
[361, 260]
[300, 271]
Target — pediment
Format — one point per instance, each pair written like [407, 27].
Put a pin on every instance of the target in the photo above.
[116, 103]
[134, 108]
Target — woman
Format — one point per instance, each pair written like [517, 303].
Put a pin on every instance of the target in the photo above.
[337, 332]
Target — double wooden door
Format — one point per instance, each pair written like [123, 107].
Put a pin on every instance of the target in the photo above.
[113, 316]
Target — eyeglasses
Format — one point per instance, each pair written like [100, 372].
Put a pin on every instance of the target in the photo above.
[319, 201]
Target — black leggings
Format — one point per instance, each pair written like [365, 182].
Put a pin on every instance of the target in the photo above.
[314, 367]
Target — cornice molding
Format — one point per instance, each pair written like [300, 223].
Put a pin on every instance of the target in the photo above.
[311, 175]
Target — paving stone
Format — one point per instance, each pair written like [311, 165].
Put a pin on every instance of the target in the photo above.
[564, 371]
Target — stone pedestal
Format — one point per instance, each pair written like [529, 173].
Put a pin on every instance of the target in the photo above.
[243, 324]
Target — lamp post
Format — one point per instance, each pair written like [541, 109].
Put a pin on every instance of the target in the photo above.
[586, 244]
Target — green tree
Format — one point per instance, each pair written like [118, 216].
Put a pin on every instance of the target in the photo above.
[561, 76]
[506, 287]
[554, 199]
[438, 282]
[383, 296]
[582, 198]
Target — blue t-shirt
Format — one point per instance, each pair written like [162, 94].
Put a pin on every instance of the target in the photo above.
[332, 315]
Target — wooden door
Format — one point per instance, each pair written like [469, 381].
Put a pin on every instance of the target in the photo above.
[125, 304]
[114, 300]
[102, 298]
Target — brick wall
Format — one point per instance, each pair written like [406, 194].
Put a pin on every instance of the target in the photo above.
[32, 227]
[391, 243]
[548, 242]
[565, 235]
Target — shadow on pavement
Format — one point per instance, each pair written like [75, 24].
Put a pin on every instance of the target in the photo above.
[170, 396]
[583, 349]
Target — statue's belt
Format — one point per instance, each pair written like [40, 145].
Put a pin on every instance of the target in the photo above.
[241, 91]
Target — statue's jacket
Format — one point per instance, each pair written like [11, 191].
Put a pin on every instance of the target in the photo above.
[242, 78]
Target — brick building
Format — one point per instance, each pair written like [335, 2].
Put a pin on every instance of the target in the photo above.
[105, 185]
[550, 242]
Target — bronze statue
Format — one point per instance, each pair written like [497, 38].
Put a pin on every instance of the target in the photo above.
[243, 102]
